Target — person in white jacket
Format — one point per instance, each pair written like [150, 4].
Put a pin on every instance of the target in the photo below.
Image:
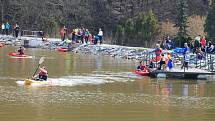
[3, 28]
[100, 35]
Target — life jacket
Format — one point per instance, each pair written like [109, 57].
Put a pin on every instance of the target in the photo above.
[21, 51]
[203, 42]
[41, 73]
[141, 67]
[169, 57]
[158, 51]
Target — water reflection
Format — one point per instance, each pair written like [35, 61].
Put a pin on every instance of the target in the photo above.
[157, 87]
[184, 88]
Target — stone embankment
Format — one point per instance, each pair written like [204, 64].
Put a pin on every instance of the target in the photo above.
[138, 53]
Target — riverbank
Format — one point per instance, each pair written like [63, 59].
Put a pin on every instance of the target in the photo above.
[125, 52]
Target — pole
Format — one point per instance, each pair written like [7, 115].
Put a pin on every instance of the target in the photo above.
[211, 63]
[184, 63]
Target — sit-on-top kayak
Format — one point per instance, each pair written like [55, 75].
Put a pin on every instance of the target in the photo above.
[36, 83]
[17, 55]
[63, 49]
[142, 73]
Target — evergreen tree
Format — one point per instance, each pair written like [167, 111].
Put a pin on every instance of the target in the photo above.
[210, 23]
[138, 31]
[182, 21]
[120, 33]
[129, 31]
[140, 28]
[151, 27]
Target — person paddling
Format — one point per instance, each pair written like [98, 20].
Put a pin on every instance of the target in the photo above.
[21, 51]
[42, 75]
[141, 67]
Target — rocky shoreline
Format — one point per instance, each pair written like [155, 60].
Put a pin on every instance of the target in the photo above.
[134, 53]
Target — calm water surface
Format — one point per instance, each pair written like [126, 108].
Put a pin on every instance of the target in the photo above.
[97, 88]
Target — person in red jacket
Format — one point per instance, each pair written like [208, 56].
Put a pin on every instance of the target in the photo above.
[141, 67]
[42, 75]
[158, 51]
[203, 42]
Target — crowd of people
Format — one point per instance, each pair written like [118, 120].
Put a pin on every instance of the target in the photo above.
[82, 35]
[7, 29]
[160, 61]
[168, 43]
[198, 46]
[77, 35]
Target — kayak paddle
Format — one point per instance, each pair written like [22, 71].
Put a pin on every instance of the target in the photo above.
[40, 62]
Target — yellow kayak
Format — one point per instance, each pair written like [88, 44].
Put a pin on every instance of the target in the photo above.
[34, 82]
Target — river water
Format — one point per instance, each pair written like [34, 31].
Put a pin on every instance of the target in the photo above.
[97, 88]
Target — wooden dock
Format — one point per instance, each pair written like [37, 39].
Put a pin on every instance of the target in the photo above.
[191, 73]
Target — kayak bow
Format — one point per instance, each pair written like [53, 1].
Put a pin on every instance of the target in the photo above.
[17, 55]
[63, 49]
[29, 82]
[142, 73]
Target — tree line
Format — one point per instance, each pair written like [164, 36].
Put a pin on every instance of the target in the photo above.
[141, 29]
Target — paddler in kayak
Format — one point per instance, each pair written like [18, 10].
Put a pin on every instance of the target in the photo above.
[42, 75]
[21, 51]
[141, 67]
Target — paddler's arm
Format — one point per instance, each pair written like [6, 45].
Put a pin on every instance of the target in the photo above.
[35, 76]
[43, 70]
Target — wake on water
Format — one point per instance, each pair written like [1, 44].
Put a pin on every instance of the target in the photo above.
[90, 79]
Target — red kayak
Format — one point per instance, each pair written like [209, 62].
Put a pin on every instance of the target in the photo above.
[17, 55]
[142, 73]
[63, 49]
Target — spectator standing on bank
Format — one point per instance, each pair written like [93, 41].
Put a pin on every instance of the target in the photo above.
[203, 42]
[16, 30]
[3, 28]
[186, 61]
[7, 28]
[63, 33]
[100, 35]
[197, 43]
